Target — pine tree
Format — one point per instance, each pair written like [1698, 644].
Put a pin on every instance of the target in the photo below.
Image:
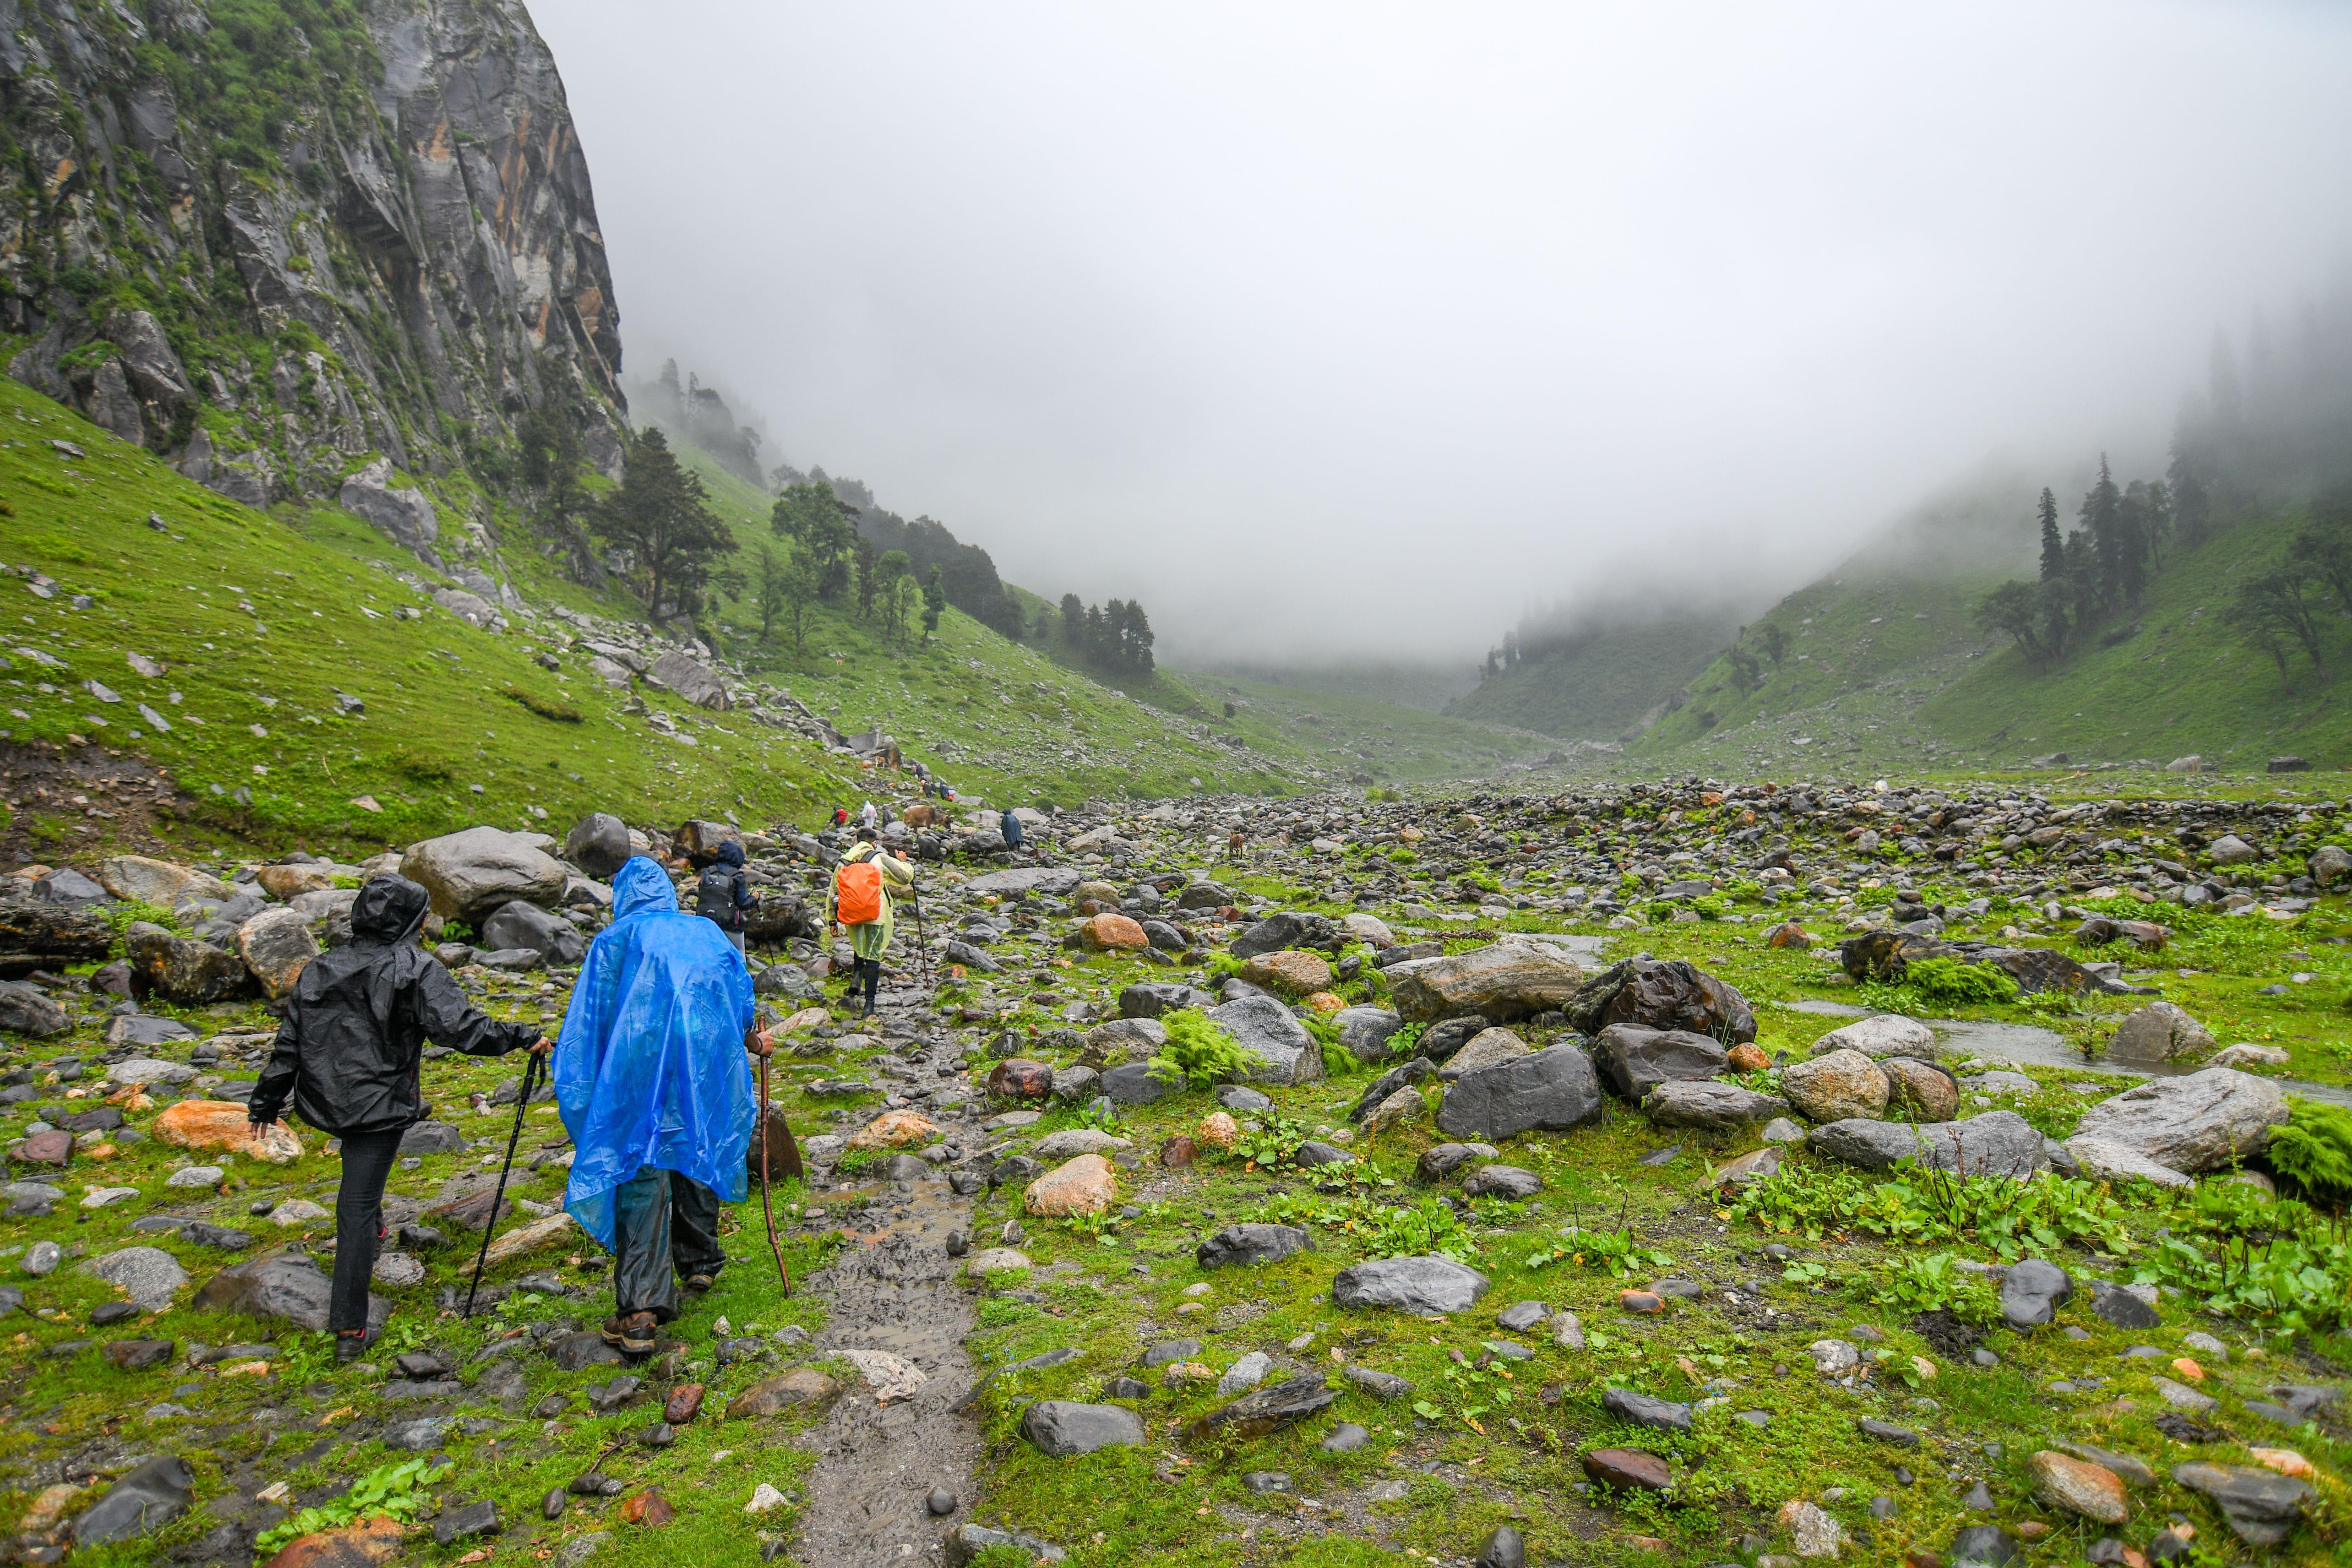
[2102, 507]
[1073, 623]
[935, 599]
[662, 515]
[2054, 545]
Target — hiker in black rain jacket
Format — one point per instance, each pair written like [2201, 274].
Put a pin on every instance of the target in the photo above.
[348, 1058]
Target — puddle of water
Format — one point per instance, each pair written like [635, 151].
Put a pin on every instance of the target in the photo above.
[2035, 1046]
[1827, 1009]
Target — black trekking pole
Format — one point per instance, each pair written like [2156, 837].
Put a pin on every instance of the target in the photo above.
[922, 936]
[531, 1075]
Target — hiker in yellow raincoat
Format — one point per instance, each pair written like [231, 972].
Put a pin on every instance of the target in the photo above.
[870, 939]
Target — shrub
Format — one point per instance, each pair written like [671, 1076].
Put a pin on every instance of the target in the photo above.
[1950, 981]
[545, 708]
[2314, 1148]
[1198, 1053]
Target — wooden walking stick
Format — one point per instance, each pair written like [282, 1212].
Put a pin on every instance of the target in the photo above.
[792, 1162]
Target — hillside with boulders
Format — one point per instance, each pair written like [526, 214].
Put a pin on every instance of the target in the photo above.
[1804, 1169]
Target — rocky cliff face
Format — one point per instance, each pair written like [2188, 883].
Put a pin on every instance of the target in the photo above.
[274, 239]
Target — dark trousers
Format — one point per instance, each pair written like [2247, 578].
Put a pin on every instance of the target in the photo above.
[359, 1223]
[661, 1221]
[866, 975]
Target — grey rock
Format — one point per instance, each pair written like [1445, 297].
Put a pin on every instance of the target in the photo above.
[147, 1275]
[1710, 1105]
[1287, 929]
[1268, 1409]
[1634, 1060]
[149, 1494]
[2263, 1507]
[1280, 1049]
[1365, 1031]
[522, 924]
[1506, 1181]
[1982, 1546]
[1884, 1432]
[1063, 1429]
[1247, 1245]
[1169, 1351]
[404, 516]
[1423, 1285]
[1488, 1048]
[284, 1286]
[1503, 1548]
[1641, 1410]
[419, 1436]
[2122, 1309]
[1405, 1074]
[2195, 1122]
[2032, 1291]
[1552, 1090]
[1134, 1083]
[1379, 1384]
[432, 1138]
[598, 844]
[465, 1521]
[969, 1540]
[1520, 1316]
[27, 1010]
[472, 874]
[1345, 1438]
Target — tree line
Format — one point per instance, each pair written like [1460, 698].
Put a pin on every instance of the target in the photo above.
[2093, 570]
[1114, 638]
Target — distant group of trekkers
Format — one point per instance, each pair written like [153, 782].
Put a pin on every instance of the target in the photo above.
[652, 1077]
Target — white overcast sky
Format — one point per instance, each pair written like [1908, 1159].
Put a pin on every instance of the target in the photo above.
[1357, 327]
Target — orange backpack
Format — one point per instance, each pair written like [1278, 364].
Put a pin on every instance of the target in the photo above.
[857, 893]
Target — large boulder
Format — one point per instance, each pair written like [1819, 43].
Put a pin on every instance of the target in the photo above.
[1365, 1031]
[2201, 1122]
[1488, 1047]
[140, 879]
[690, 678]
[1635, 1059]
[473, 873]
[598, 844]
[1277, 932]
[150, 1494]
[1241, 1245]
[202, 1125]
[27, 1010]
[2104, 1162]
[1833, 1087]
[1710, 1105]
[1928, 1093]
[406, 516]
[518, 925]
[1997, 1143]
[1551, 1090]
[2160, 1032]
[1881, 1035]
[1150, 998]
[277, 946]
[1063, 1429]
[698, 839]
[1669, 994]
[179, 969]
[147, 1275]
[2330, 864]
[284, 1286]
[1500, 982]
[1424, 1286]
[1280, 1049]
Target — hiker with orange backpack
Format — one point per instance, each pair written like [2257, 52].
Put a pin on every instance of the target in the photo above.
[863, 891]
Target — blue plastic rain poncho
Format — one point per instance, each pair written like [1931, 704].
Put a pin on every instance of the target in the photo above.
[650, 1068]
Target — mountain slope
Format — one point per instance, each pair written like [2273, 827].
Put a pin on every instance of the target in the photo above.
[1596, 684]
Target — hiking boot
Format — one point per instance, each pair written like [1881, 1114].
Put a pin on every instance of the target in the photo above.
[699, 1283]
[351, 1346]
[633, 1334]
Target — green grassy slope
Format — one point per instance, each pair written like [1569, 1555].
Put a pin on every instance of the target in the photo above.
[258, 621]
[1601, 687]
[2181, 683]
[1032, 721]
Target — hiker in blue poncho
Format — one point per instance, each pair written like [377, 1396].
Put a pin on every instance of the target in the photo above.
[651, 1078]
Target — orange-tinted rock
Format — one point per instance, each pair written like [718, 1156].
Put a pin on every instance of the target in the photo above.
[283, 882]
[1640, 1301]
[1217, 1130]
[801, 1385]
[361, 1545]
[895, 1130]
[1747, 1057]
[684, 1403]
[648, 1507]
[1112, 933]
[221, 1124]
[2079, 1487]
[1326, 1002]
[1083, 1185]
[1291, 971]
[1627, 1469]
[1020, 1078]
[1790, 935]
[54, 1147]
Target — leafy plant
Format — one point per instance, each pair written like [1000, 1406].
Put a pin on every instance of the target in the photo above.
[1382, 1230]
[1935, 1282]
[1614, 1250]
[2314, 1148]
[1947, 980]
[1198, 1052]
[1275, 1140]
[388, 1491]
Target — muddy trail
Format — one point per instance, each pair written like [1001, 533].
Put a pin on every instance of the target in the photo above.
[869, 1499]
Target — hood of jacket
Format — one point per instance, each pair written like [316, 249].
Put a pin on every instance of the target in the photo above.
[388, 909]
[641, 885]
[729, 852]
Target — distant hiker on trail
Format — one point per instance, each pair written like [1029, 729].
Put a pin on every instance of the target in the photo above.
[1010, 825]
[841, 816]
[866, 814]
[722, 895]
[348, 1058]
[864, 899]
[656, 1092]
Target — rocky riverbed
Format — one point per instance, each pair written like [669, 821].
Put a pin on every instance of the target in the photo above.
[1566, 1177]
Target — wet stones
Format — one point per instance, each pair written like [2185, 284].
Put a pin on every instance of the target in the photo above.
[1671, 995]
[1063, 1429]
[1265, 1410]
[1641, 1410]
[1243, 1245]
[2201, 1122]
[1423, 1285]
[2121, 1307]
[1710, 1105]
[801, 1385]
[1086, 1185]
[2261, 1507]
[1501, 982]
[150, 1494]
[1634, 1060]
[2078, 1486]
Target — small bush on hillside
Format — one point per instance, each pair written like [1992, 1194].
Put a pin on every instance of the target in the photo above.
[2315, 1147]
[1198, 1053]
[543, 707]
[1948, 980]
